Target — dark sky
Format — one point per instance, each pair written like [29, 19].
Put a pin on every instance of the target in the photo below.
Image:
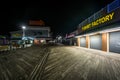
[62, 16]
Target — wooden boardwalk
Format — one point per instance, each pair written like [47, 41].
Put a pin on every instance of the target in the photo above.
[73, 63]
[59, 63]
[19, 64]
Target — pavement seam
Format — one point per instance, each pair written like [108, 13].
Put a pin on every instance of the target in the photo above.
[38, 70]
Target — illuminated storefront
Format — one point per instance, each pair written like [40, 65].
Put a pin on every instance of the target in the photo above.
[33, 35]
[101, 31]
[70, 38]
[4, 40]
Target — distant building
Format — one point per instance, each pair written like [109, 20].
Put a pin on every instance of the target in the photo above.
[33, 34]
[37, 34]
[3, 40]
[70, 38]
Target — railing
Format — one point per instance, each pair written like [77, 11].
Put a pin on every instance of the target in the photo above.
[110, 7]
[114, 5]
[93, 17]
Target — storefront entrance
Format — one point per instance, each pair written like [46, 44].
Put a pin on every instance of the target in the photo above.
[114, 42]
[96, 42]
[83, 41]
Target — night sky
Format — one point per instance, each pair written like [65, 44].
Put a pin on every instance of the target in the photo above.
[62, 16]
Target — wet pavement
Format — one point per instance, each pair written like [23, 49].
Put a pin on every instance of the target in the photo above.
[59, 63]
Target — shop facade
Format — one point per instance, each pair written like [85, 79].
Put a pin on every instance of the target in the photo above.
[101, 31]
[33, 35]
[70, 38]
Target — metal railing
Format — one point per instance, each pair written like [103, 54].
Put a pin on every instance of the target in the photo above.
[110, 7]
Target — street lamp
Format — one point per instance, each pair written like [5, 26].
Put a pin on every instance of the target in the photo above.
[23, 27]
[23, 37]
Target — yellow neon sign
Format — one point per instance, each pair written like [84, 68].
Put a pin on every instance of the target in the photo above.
[99, 21]
[16, 35]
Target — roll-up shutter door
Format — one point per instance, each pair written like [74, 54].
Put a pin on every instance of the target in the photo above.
[96, 42]
[83, 41]
[114, 42]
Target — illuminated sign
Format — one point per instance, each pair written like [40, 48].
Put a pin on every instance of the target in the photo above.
[99, 21]
[16, 35]
[71, 35]
[36, 23]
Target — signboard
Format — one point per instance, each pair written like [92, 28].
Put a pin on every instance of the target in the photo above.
[99, 21]
[69, 36]
[36, 23]
[16, 34]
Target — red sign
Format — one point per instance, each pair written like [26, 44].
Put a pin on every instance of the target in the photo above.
[36, 23]
[71, 35]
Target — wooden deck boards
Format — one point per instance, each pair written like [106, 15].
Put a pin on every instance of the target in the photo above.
[71, 63]
[63, 63]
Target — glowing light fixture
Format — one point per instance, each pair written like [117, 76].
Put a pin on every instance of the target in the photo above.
[23, 27]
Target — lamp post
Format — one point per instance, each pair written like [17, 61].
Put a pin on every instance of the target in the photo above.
[23, 28]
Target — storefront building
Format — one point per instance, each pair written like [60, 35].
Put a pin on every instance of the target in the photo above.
[70, 38]
[33, 35]
[4, 40]
[101, 31]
